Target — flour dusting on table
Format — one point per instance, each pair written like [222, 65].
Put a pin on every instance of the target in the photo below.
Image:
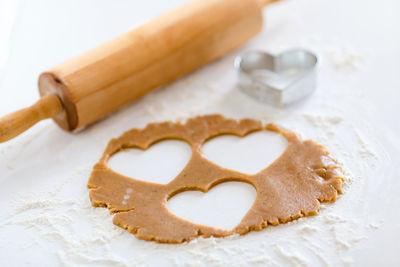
[56, 215]
[62, 216]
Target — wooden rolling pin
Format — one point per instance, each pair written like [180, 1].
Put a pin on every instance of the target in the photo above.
[86, 88]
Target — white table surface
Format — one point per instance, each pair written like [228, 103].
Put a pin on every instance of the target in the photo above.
[46, 218]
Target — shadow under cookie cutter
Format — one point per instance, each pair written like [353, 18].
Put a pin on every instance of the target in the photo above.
[277, 80]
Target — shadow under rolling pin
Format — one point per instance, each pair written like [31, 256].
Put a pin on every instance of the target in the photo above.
[84, 89]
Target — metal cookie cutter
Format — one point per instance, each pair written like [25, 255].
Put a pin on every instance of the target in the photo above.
[277, 80]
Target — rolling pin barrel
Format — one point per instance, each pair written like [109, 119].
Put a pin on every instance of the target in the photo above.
[116, 73]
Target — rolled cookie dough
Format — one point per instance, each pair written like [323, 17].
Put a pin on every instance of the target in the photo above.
[291, 187]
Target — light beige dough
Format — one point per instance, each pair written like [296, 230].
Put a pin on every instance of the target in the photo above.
[293, 186]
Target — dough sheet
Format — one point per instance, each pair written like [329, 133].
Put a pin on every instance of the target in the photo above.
[293, 186]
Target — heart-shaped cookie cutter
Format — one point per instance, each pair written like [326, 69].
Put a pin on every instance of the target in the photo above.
[277, 80]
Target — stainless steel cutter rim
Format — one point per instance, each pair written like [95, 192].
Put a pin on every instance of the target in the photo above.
[299, 87]
[239, 60]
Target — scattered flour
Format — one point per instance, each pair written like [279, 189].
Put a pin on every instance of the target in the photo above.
[374, 225]
[365, 150]
[86, 235]
[54, 216]
[325, 122]
[344, 58]
[185, 94]
[339, 55]
[347, 262]
[59, 217]
[293, 258]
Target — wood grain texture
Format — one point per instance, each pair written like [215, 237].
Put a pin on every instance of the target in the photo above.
[86, 88]
[120, 71]
[18, 122]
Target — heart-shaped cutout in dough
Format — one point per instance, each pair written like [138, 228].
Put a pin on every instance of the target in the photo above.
[160, 163]
[249, 154]
[223, 206]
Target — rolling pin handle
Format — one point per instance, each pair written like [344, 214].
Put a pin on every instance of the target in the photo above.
[18, 122]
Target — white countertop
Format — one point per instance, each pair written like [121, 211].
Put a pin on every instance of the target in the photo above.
[46, 218]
